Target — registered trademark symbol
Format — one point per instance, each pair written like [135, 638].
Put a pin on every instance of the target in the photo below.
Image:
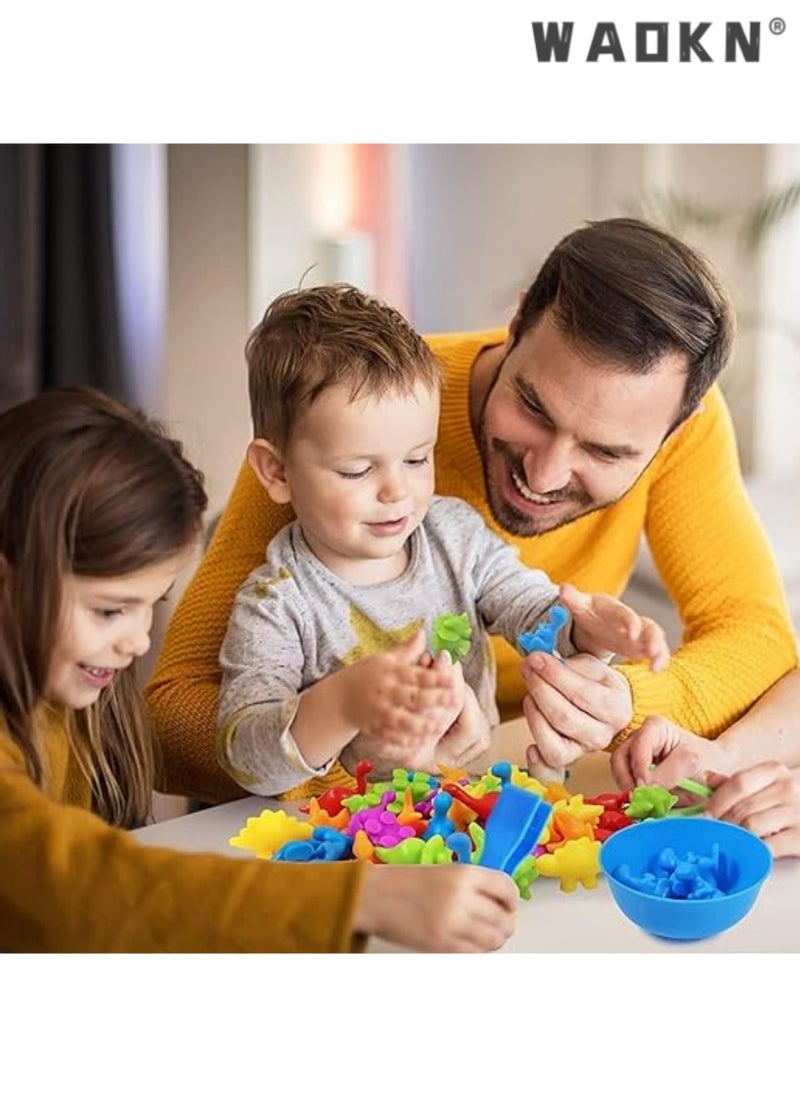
[777, 26]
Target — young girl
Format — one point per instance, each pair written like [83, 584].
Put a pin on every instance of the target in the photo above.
[99, 512]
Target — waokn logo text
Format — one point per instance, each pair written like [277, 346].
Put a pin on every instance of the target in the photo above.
[652, 41]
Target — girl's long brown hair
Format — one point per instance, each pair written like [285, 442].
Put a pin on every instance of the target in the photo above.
[87, 487]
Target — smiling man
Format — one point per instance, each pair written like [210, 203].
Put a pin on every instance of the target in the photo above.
[556, 445]
[593, 420]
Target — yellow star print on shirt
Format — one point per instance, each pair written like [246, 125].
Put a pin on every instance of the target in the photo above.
[263, 586]
[372, 639]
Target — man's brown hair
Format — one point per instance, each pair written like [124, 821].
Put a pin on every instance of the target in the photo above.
[628, 291]
[312, 339]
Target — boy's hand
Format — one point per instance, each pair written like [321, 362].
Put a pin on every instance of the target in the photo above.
[603, 626]
[464, 729]
[467, 736]
[391, 698]
[449, 907]
[443, 661]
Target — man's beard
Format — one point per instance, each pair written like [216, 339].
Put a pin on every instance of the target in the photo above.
[520, 523]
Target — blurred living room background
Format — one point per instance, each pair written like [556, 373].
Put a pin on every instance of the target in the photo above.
[142, 268]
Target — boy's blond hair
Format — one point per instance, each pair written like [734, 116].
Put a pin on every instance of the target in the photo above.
[312, 339]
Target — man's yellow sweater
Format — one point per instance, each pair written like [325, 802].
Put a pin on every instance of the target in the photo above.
[69, 882]
[705, 539]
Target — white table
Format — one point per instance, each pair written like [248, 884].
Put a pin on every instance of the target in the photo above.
[551, 921]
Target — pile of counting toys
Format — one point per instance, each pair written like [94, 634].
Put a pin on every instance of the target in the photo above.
[505, 818]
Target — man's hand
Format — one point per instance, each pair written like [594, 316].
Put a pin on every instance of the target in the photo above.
[572, 708]
[603, 626]
[765, 799]
[660, 752]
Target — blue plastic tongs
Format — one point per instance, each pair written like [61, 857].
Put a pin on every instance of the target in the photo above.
[513, 828]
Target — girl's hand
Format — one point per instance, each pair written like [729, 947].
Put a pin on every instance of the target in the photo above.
[765, 799]
[603, 626]
[447, 907]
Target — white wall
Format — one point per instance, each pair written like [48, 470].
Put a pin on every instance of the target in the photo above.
[246, 223]
[299, 210]
[482, 218]
[282, 232]
[777, 403]
[725, 179]
[204, 395]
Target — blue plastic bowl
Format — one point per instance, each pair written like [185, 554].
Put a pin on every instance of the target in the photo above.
[748, 861]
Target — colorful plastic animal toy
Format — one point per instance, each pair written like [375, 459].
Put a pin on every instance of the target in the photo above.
[576, 862]
[319, 817]
[422, 785]
[407, 815]
[460, 846]
[691, 877]
[407, 851]
[331, 800]
[452, 632]
[504, 819]
[482, 806]
[524, 876]
[650, 801]
[439, 822]
[545, 634]
[325, 843]
[380, 825]
[267, 832]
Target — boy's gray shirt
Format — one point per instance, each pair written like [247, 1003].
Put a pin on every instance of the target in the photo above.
[295, 622]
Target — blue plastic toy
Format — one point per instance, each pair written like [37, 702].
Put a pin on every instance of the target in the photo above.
[513, 828]
[439, 822]
[670, 877]
[325, 843]
[460, 846]
[544, 635]
[502, 770]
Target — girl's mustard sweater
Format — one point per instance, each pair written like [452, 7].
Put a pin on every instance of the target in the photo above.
[706, 541]
[69, 882]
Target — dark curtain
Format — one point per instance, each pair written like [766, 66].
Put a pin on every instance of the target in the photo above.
[59, 320]
[18, 378]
